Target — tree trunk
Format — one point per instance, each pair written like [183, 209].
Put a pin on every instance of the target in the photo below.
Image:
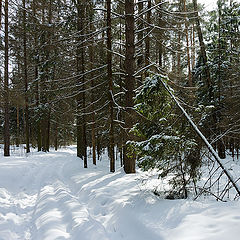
[48, 131]
[6, 87]
[188, 51]
[18, 127]
[110, 87]
[221, 149]
[38, 122]
[237, 149]
[220, 144]
[179, 40]
[121, 112]
[160, 36]
[56, 137]
[80, 151]
[193, 54]
[140, 58]
[93, 126]
[203, 50]
[81, 123]
[0, 14]
[147, 39]
[129, 158]
[25, 77]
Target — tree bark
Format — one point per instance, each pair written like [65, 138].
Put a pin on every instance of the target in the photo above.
[140, 58]
[110, 87]
[38, 122]
[203, 49]
[147, 39]
[179, 54]
[6, 86]
[129, 158]
[0, 14]
[188, 51]
[81, 123]
[48, 131]
[193, 53]
[93, 125]
[160, 36]
[56, 137]
[121, 80]
[18, 127]
[25, 77]
[79, 100]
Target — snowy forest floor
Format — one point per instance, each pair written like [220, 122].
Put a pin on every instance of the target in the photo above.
[46, 196]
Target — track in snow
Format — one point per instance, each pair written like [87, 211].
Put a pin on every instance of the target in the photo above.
[48, 196]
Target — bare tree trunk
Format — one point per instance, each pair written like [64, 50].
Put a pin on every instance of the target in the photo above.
[93, 126]
[48, 131]
[50, 36]
[121, 113]
[56, 137]
[6, 87]
[160, 37]
[84, 105]
[79, 100]
[193, 54]
[38, 125]
[205, 141]
[110, 87]
[39, 134]
[45, 121]
[25, 77]
[43, 93]
[188, 52]
[81, 123]
[129, 158]
[140, 58]
[0, 26]
[147, 39]
[179, 42]
[0, 14]
[220, 142]
[18, 127]
[179, 55]
[203, 49]
[206, 69]
[237, 149]
[93, 139]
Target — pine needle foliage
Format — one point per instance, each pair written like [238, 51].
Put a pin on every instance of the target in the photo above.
[164, 139]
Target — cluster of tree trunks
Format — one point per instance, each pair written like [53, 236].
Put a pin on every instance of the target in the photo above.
[145, 38]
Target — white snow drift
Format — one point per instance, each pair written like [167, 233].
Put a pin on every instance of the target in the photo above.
[46, 196]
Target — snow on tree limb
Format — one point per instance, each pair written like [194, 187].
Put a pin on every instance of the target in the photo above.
[203, 138]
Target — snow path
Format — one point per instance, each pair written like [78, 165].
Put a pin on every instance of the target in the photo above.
[48, 196]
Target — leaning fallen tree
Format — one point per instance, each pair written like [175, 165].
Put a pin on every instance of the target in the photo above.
[221, 194]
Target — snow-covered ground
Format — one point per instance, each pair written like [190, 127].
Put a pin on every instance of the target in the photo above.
[47, 196]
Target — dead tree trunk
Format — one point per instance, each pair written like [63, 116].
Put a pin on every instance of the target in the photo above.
[205, 141]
